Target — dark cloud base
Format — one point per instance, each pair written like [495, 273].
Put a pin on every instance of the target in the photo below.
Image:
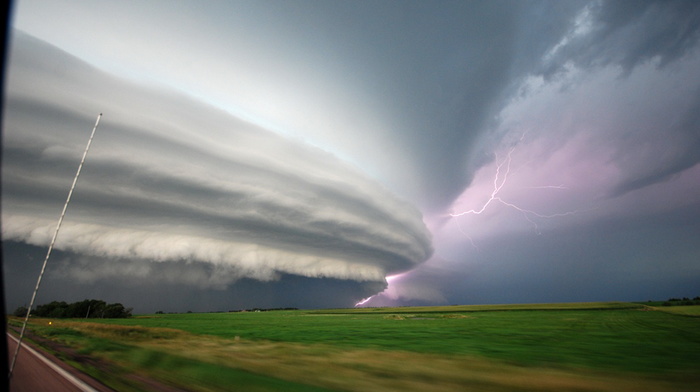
[149, 294]
[649, 257]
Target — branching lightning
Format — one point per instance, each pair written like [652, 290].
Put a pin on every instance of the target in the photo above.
[501, 176]
[498, 184]
[503, 170]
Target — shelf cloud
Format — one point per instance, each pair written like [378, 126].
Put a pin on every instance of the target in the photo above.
[171, 180]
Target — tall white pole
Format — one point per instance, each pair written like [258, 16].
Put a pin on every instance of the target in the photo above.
[53, 241]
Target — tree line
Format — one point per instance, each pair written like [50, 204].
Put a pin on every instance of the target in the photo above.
[89, 308]
[685, 301]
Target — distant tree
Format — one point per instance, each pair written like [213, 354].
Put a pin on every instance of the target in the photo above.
[117, 311]
[96, 309]
[76, 308]
[20, 312]
[89, 308]
[53, 309]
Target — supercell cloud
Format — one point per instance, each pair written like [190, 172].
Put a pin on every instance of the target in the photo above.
[169, 180]
[583, 116]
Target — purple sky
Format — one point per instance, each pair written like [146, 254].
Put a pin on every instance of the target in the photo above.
[296, 153]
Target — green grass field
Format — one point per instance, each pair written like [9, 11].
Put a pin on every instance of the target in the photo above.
[693, 310]
[591, 346]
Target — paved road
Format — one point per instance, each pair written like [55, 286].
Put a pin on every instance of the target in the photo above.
[35, 373]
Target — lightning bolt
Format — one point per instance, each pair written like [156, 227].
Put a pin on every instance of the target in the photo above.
[498, 184]
[503, 170]
[364, 301]
[501, 176]
[461, 230]
[388, 280]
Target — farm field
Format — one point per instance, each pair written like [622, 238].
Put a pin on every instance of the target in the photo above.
[583, 347]
[693, 310]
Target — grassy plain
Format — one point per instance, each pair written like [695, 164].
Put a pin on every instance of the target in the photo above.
[594, 346]
[693, 310]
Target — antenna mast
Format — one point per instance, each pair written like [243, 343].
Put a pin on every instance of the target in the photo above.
[53, 241]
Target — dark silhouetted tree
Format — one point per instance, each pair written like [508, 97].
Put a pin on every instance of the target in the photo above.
[20, 312]
[89, 308]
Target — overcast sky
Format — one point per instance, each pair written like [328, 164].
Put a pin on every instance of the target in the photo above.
[319, 153]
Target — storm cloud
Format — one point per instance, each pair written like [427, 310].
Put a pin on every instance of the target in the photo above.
[163, 184]
[275, 151]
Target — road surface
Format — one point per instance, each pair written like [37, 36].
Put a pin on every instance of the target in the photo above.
[35, 372]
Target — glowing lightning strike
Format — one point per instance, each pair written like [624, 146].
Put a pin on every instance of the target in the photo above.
[364, 301]
[503, 171]
[500, 180]
[388, 280]
[496, 186]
